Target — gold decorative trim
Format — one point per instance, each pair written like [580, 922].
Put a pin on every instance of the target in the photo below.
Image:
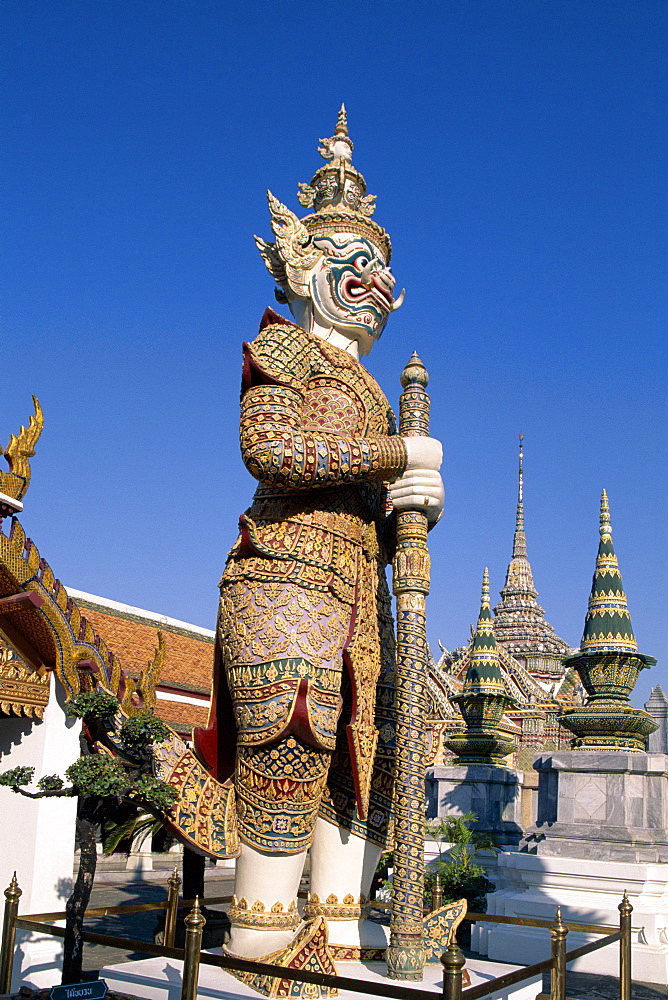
[258, 917]
[22, 692]
[351, 953]
[348, 909]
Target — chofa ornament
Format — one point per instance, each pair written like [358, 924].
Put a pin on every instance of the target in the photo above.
[21, 448]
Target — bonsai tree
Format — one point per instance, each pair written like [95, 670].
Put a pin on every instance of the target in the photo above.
[102, 784]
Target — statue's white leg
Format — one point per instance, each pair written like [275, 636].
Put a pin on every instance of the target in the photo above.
[343, 865]
[267, 879]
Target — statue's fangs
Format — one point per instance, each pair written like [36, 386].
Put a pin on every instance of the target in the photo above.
[302, 715]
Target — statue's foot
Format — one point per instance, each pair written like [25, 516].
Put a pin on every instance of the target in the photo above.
[357, 940]
[308, 950]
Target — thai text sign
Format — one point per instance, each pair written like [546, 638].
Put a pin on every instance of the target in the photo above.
[95, 990]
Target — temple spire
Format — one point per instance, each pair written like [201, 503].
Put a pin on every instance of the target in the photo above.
[608, 623]
[483, 698]
[519, 539]
[519, 624]
[484, 673]
[608, 662]
[519, 578]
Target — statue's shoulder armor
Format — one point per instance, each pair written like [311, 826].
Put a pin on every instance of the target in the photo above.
[284, 354]
[281, 354]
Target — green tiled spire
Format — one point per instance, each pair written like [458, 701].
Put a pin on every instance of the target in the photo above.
[484, 698]
[484, 673]
[608, 623]
[608, 662]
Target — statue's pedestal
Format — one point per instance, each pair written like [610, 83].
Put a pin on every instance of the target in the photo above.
[601, 830]
[160, 979]
[495, 794]
[37, 835]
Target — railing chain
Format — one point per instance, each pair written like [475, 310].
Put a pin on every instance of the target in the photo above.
[452, 960]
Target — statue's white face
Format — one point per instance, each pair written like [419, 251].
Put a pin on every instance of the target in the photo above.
[351, 289]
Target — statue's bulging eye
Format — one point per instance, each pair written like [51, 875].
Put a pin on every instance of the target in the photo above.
[361, 262]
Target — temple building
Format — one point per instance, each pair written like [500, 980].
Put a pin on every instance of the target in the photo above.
[530, 657]
[183, 691]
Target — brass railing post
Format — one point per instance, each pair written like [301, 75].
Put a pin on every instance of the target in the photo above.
[194, 924]
[173, 886]
[453, 962]
[437, 894]
[625, 911]
[12, 896]
[559, 930]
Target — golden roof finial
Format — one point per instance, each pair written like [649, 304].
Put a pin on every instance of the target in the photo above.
[605, 527]
[484, 598]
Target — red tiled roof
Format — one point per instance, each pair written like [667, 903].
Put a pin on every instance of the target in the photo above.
[188, 658]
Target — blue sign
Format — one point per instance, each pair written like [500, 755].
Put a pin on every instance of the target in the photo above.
[95, 990]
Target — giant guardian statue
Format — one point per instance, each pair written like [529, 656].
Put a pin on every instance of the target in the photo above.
[303, 708]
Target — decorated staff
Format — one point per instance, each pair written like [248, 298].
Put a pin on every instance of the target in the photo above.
[405, 955]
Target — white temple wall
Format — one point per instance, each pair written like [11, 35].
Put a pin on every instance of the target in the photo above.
[37, 836]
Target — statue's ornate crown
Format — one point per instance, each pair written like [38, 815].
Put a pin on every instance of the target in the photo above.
[337, 193]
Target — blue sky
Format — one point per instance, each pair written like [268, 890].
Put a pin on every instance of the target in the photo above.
[518, 151]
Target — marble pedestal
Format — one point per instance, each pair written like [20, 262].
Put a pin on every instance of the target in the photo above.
[601, 829]
[588, 892]
[494, 794]
[604, 806]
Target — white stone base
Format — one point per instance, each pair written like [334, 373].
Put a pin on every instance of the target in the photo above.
[532, 886]
[160, 979]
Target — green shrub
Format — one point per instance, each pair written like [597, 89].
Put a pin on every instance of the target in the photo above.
[17, 776]
[89, 705]
[141, 730]
[459, 881]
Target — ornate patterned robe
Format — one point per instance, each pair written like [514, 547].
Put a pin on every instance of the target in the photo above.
[305, 629]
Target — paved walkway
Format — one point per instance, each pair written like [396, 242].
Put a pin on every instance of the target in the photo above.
[141, 926]
[590, 987]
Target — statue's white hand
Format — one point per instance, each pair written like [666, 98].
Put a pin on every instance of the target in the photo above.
[419, 489]
[423, 453]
